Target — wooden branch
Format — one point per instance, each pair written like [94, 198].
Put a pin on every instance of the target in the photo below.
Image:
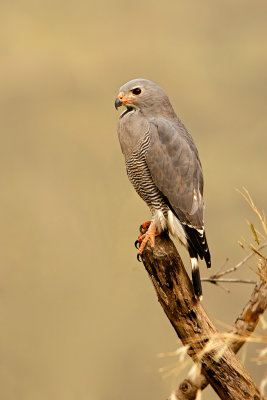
[244, 326]
[219, 365]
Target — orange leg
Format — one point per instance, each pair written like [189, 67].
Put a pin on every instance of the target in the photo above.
[148, 236]
[144, 227]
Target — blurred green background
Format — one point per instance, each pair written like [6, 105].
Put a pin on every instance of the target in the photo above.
[79, 317]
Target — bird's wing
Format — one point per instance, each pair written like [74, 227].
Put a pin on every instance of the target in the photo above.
[173, 161]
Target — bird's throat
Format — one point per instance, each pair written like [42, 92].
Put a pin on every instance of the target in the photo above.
[128, 109]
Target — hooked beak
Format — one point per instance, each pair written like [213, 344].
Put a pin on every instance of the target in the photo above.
[118, 103]
[122, 100]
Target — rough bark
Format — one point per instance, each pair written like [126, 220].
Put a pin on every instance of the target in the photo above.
[206, 346]
[244, 326]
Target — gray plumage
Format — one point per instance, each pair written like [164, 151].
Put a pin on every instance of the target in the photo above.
[162, 163]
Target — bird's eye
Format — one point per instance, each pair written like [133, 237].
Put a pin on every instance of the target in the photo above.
[136, 91]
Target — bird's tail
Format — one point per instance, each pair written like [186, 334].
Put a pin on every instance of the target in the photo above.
[198, 245]
[196, 277]
[206, 251]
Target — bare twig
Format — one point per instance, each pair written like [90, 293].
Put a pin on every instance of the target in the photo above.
[238, 265]
[229, 280]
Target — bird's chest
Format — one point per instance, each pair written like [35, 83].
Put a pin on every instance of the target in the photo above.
[135, 141]
[138, 171]
[132, 128]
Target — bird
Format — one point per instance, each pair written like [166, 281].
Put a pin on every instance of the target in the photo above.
[163, 165]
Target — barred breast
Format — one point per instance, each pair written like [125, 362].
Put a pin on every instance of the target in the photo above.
[140, 177]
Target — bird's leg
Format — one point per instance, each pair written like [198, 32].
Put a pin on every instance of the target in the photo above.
[148, 236]
[144, 227]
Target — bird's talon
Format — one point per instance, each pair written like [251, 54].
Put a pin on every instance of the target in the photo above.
[137, 244]
[139, 257]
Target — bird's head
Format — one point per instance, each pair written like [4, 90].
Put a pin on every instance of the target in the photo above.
[144, 95]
